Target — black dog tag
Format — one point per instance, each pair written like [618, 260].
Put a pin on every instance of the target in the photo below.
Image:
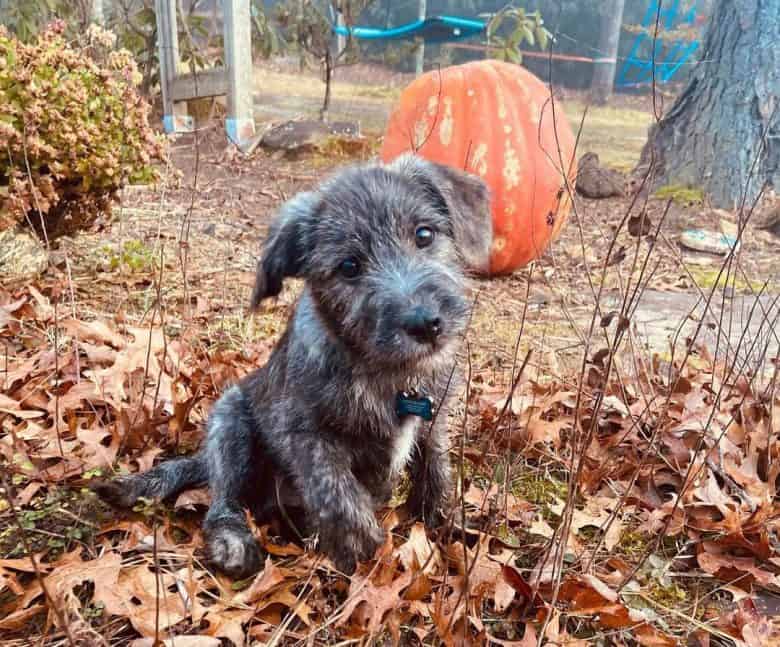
[411, 404]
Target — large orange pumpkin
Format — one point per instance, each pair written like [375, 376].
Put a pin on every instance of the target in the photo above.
[495, 120]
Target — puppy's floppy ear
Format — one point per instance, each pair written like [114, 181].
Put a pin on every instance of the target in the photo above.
[467, 202]
[287, 246]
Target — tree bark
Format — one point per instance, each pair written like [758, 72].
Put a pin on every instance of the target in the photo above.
[328, 81]
[609, 39]
[722, 134]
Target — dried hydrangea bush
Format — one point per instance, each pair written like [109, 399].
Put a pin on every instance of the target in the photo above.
[73, 129]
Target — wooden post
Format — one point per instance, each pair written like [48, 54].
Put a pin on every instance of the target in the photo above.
[341, 41]
[419, 54]
[175, 118]
[97, 15]
[240, 122]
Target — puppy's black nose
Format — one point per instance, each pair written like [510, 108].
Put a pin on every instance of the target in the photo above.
[421, 324]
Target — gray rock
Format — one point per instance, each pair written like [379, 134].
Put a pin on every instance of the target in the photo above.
[294, 136]
[595, 181]
[771, 220]
[22, 255]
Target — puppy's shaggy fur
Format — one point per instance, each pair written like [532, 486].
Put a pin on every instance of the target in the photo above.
[382, 251]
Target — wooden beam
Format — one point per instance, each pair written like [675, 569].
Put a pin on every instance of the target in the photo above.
[97, 15]
[208, 83]
[240, 121]
[174, 115]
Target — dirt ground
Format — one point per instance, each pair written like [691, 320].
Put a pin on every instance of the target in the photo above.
[213, 222]
[183, 254]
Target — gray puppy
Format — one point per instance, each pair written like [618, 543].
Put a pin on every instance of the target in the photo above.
[340, 408]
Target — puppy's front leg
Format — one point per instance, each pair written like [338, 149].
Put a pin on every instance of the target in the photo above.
[431, 475]
[229, 451]
[339, 506]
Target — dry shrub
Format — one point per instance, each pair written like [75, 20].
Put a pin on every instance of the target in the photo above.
[73, 129]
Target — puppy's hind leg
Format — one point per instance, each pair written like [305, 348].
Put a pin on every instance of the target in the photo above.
[233, 471]
[159, 483]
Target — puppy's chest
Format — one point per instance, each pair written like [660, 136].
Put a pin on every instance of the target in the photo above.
[403, 443]
[390, 440]
[389, 448]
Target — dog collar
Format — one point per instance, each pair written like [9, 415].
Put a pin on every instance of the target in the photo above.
[410, 403]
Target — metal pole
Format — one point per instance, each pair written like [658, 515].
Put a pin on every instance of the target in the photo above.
[240, 122]
[609, 39]
[420, 51]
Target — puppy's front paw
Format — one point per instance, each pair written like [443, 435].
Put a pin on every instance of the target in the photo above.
[233, 550]
[120, 492]
[431, 507]
[347, 546]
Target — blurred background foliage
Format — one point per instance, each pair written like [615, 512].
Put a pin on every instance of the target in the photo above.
[289, 27]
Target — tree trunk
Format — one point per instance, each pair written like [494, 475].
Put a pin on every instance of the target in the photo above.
[328, 81]
[609, 39]
[722, 134]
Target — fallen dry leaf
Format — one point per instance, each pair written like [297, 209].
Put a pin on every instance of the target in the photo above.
[418, 552]
[179, 641]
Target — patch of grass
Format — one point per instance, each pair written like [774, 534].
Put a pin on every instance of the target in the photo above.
[135, 256]
[53, 522]
[284, 96]
[236, 330]
[541, 491]
[617, 135]
[347, 148]
[589, 533]
[633, 543]
[670, 596]
[508, 536]
[377, 92]
[494, 324]
[271, 82]
[680, 194]
[707, 278]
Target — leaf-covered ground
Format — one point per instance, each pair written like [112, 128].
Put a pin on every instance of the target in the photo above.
[614, 488]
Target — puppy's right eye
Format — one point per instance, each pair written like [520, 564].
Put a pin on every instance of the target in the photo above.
[349, 267]
[424, 236]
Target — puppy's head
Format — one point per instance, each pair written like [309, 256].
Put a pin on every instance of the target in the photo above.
[383, 250]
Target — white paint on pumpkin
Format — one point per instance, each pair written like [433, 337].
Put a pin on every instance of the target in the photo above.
[447, 123]
[433, 104]
[422, 131]
[535, 113]
[511, 167]
[502, 113]
[479, 159]
[522, 90]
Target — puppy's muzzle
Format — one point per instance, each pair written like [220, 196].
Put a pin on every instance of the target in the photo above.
[422, 325]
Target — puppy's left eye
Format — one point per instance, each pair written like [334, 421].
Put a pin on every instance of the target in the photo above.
[423, 236]
[349, 267]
